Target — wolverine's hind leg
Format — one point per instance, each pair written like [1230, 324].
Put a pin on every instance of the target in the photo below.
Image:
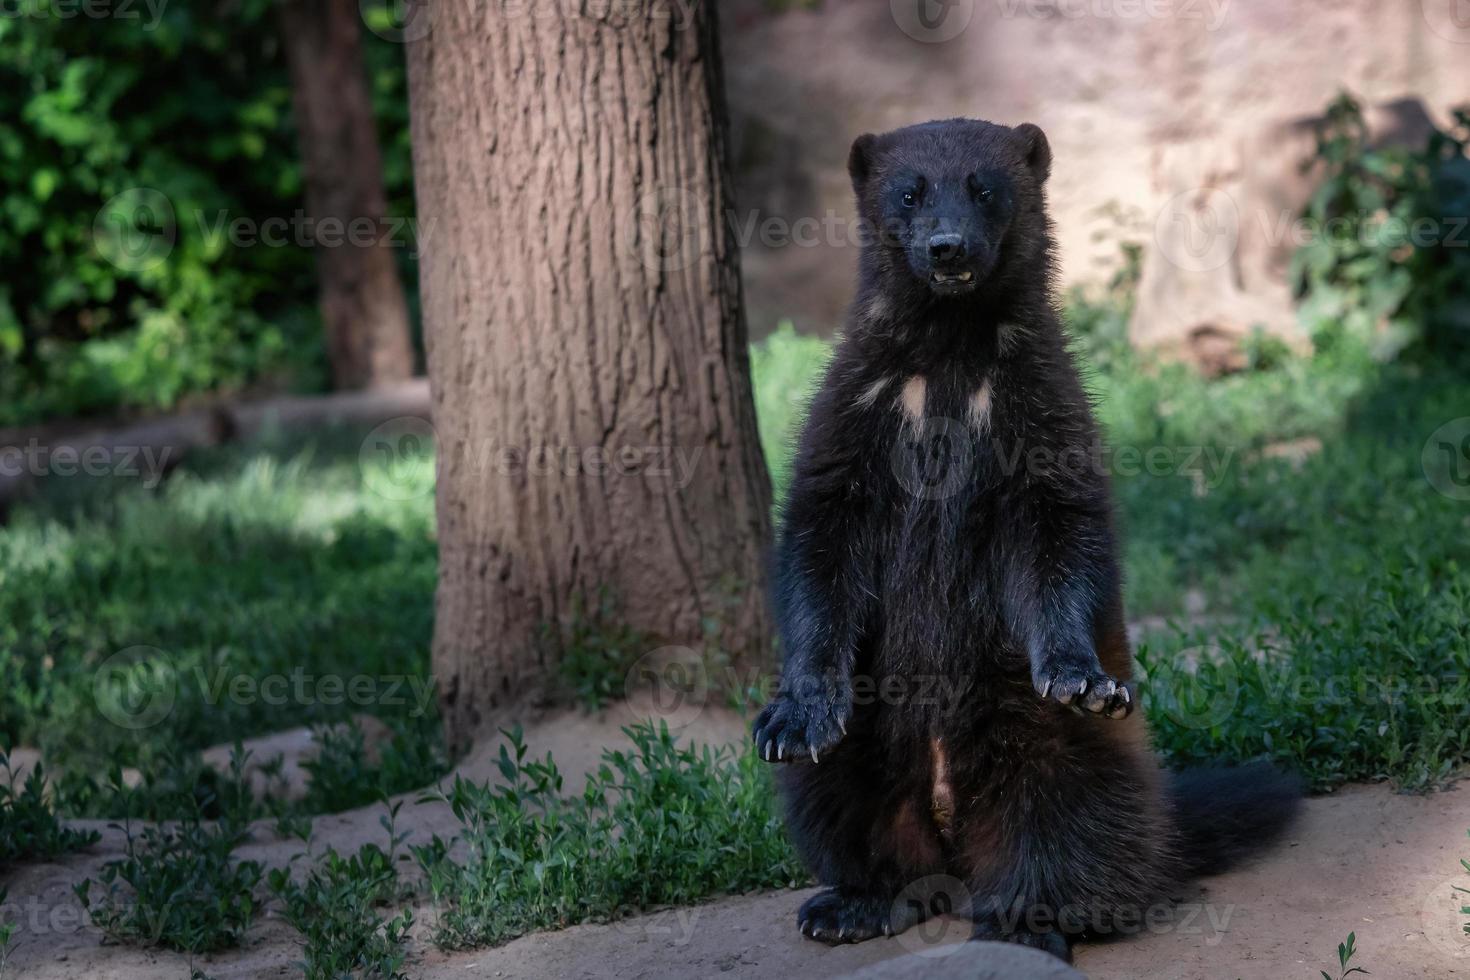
[866, 835]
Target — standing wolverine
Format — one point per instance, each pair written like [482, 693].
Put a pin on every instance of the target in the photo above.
[947, 520]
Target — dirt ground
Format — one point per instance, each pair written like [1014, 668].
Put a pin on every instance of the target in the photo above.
[1363, 859]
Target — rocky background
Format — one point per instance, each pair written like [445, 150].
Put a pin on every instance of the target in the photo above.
[1181, 125]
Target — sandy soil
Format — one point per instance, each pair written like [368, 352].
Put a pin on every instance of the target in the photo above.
[1363, 859]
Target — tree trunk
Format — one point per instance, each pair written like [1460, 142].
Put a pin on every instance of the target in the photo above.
[362, 304]
[586, 342]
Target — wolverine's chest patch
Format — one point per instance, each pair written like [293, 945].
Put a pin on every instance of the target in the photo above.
[941, 793]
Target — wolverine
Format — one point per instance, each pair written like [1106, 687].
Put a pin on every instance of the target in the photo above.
[946, 520]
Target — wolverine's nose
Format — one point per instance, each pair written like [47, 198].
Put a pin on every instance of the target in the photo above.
[947, 248]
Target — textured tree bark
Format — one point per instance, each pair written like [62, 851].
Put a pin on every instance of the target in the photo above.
[586, 342]
[362, 304]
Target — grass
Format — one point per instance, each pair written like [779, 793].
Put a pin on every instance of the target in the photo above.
[178, 886]
[261, 582]
[661, 824]
[29, 828]
[337, 911]
[138, 626]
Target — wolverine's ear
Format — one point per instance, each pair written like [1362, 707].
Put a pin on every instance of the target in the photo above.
[860, 160]
[1036, 149]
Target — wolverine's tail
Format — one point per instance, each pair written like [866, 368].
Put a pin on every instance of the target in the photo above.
[1223, 815]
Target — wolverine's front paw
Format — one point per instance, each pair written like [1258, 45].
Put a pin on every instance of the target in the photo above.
[792, 727]
[1086, 686]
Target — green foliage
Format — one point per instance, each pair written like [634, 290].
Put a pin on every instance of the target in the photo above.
[785, 369]
[596, 651]
[662, 824]
[344, 778]
[127, 147]
[29, 830]
[7, 933]
[1388, 243]
[177, 886]
[336, 911]
[1345, 952]
[137, 622]
[1465, 909]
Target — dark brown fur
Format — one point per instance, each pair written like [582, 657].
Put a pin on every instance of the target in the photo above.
[946, 520]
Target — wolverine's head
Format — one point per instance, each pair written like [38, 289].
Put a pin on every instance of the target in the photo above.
[957, 205]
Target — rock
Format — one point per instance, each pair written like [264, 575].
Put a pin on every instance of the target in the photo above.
[972, 961]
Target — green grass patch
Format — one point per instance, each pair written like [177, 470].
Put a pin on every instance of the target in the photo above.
[659, 824]
[178, 886]
[29, 829]
[338, 910]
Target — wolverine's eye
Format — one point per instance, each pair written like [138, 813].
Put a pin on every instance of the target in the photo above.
[910, 199]
[981, 192]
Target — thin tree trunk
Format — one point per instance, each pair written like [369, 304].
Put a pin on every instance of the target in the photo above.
[586, 342]
[361, 297]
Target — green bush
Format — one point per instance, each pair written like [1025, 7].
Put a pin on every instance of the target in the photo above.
[126, 148]
[1389, 245]
[336, 911]
[663, 824]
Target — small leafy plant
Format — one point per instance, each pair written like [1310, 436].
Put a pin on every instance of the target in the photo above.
[336, 910]
[1465, 909]
[178, 886]
[343, 776]
[1345, 952]
[29, 830]
[7, 935]
[661, 824]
